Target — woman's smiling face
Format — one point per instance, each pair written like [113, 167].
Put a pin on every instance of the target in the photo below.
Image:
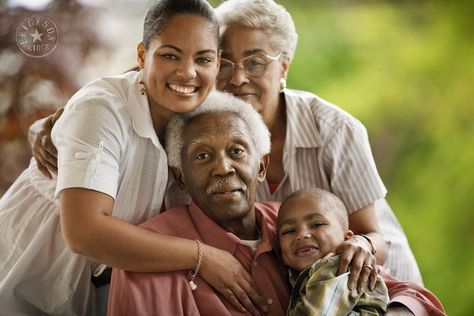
[239, 42]
[181, 63]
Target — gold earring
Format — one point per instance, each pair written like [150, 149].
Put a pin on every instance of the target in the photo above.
[282, 84]
[142, 84]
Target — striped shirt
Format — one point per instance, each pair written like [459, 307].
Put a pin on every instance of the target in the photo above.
[327, 148]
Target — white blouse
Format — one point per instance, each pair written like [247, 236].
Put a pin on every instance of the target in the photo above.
[106, 142]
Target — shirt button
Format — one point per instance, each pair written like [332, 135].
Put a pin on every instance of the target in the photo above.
[270, 301]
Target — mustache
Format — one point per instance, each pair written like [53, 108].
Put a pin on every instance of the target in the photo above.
[225, 185]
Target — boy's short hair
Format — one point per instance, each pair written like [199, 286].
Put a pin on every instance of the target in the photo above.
[327, 200]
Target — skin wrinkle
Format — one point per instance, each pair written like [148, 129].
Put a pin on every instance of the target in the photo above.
[222, 157]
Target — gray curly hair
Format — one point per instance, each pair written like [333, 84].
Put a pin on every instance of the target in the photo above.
[266, 15]
[216, 102]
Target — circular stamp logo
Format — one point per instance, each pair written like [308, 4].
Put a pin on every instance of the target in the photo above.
[37, 36]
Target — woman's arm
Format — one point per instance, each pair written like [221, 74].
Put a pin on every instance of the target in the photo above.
[364, 221]
[355, 180]
[90, 230]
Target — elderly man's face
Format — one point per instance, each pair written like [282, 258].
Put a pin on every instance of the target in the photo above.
[221, 167]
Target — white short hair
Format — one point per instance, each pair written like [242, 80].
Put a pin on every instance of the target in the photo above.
[216, 102]
[266, 15]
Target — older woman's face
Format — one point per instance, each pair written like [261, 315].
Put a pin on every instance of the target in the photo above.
[181, 63]
[262, 92]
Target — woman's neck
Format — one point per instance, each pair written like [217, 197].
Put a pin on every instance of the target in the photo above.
[277, 127]
[160, 118]
[275, 116]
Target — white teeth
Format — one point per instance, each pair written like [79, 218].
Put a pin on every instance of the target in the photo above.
[181, 89]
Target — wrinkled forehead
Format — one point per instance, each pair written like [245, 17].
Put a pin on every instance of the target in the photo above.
[209, 125]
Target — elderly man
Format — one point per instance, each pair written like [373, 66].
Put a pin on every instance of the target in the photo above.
[217, 153]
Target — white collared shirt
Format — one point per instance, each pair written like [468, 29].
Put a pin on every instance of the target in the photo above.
[327, 148]
[106, 142]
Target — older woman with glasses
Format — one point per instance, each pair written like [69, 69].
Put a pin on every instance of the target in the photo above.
[314, 143]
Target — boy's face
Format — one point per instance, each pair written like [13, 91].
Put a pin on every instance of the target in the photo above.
[307, 232]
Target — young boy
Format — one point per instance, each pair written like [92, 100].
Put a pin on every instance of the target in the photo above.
[312, 222]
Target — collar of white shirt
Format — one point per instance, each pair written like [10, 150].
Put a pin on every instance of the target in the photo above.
[140, 113]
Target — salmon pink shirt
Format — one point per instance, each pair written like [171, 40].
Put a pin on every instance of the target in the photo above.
[169, 293]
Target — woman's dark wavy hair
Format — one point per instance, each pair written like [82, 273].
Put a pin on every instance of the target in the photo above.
[163, 10]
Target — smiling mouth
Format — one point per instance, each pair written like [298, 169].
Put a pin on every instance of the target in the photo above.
[243, 95]
[182, 89]
[227, 192]
[305, 251]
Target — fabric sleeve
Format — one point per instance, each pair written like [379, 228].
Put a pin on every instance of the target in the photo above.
[90, 137]
[419, 300]
[352, 171]
[150, 294]
[325, 293]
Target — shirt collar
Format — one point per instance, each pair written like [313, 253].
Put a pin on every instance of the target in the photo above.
[139, 109]
[214, 235]
[301, 126]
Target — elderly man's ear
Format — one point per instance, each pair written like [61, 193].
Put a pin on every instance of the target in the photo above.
[262, 171]
[178, 176]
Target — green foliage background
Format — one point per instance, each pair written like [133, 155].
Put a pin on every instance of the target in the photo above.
[406, 70]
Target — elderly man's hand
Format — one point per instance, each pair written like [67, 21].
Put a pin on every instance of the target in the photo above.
[39, 137]
[221, 270]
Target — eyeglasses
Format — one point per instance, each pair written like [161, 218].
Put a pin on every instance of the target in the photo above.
[253, 66]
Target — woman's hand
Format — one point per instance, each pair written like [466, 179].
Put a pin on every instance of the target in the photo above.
[225, 274]
[356, 253]
[39, 136]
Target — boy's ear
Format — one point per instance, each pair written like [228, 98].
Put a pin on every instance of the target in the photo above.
[262, 171]
[348, 234]
[178, 176]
